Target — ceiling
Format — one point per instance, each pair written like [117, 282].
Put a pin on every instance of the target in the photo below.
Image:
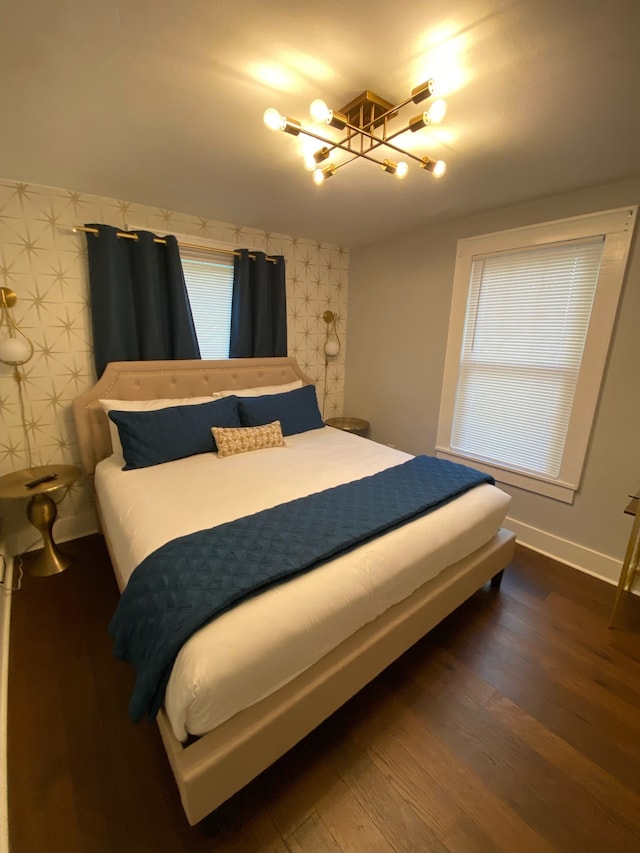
[161, 103]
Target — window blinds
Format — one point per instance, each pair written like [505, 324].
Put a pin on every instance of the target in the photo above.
[209, 281]
[527, 318]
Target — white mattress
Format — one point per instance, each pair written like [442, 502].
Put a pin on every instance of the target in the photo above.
[252, 650]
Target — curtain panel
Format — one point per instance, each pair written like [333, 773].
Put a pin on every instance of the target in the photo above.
[139, 304]
[258, 306]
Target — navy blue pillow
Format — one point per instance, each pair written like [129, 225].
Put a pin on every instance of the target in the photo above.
[150, 438]
[296, 410]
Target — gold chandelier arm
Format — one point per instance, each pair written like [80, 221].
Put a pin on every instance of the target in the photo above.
[349, 160]
[343, 147]
[418, 94]
[376, 139]
[386, 142]
[388, 114]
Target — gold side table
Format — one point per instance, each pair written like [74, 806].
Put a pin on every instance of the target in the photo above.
[631, 557]
[355, 425]
[41, 510]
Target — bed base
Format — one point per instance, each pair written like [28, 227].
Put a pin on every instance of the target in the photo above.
[211, 769]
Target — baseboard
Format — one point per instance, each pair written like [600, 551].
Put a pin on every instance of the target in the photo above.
[577, 556]
[77, 526]
[5, 617]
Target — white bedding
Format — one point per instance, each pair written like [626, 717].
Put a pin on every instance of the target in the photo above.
[252, 650]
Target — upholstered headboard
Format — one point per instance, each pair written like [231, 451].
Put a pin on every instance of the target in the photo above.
[150, 380]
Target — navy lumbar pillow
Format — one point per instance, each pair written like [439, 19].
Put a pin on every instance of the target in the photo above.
[296, 410]
[150, 438]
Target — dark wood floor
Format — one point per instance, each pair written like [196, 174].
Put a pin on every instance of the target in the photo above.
[513, 727]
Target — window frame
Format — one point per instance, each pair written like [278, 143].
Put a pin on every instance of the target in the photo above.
[616, 226]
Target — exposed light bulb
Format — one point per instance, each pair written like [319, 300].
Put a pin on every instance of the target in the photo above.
[436, 112]
[319, 111]
[15, 350]
[273, 119]
[331, 347]
[436, 167]
[401, 169]
[309, 161]
[320, 175]
[439, 169]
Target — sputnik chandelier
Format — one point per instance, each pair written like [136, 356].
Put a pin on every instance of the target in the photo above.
[365, 122]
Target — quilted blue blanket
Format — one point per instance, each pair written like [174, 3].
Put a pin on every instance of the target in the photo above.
[190, 580]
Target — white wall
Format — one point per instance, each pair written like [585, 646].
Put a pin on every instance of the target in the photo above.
[399, 298]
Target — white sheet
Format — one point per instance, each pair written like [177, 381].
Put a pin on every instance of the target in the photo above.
[252, 650]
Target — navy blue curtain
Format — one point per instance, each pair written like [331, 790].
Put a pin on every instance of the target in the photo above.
[139, 304]
[258, 306]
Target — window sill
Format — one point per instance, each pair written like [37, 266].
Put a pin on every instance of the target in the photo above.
[563, 492]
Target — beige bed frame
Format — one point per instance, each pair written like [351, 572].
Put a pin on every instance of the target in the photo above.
[213, 767]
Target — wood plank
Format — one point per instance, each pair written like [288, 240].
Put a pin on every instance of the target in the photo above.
[293, 786]
[467, 837]
[349, 821]
[393, 815]
[397, 718]
[313, 837]
[615, 798]
[519, 775]
[515, 670]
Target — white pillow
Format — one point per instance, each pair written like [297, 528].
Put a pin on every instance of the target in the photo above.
[260, 390]
[142, 406]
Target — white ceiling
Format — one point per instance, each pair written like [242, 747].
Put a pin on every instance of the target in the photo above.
[161, 103]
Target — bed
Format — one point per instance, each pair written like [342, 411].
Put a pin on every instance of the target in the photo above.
[227, 716]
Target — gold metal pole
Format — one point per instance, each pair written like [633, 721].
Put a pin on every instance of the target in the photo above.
[128, 236]
[631, 558]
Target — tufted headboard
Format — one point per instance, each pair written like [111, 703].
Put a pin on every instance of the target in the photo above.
[150, 380]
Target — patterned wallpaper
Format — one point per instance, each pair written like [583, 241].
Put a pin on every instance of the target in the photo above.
[44, 262]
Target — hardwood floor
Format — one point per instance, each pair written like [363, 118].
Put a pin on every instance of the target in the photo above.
[513, 726]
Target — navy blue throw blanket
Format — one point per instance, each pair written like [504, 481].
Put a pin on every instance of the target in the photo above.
[187, 582]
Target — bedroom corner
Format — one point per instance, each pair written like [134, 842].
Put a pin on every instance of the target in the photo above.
[45, 263]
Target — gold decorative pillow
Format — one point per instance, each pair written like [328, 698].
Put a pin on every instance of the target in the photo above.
[232, 440]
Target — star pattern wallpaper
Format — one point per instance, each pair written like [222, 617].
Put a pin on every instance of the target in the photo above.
[45, 263]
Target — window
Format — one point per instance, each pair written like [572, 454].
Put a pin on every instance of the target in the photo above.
[209, 279]
[531, 320]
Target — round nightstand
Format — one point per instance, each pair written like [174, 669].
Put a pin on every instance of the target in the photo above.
[355, 425]
[41, 510]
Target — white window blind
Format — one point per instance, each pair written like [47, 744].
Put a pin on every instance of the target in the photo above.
[527, 319]
[532, 315]
[209, 281]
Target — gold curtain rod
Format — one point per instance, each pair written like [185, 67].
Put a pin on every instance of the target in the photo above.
[125, 235]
